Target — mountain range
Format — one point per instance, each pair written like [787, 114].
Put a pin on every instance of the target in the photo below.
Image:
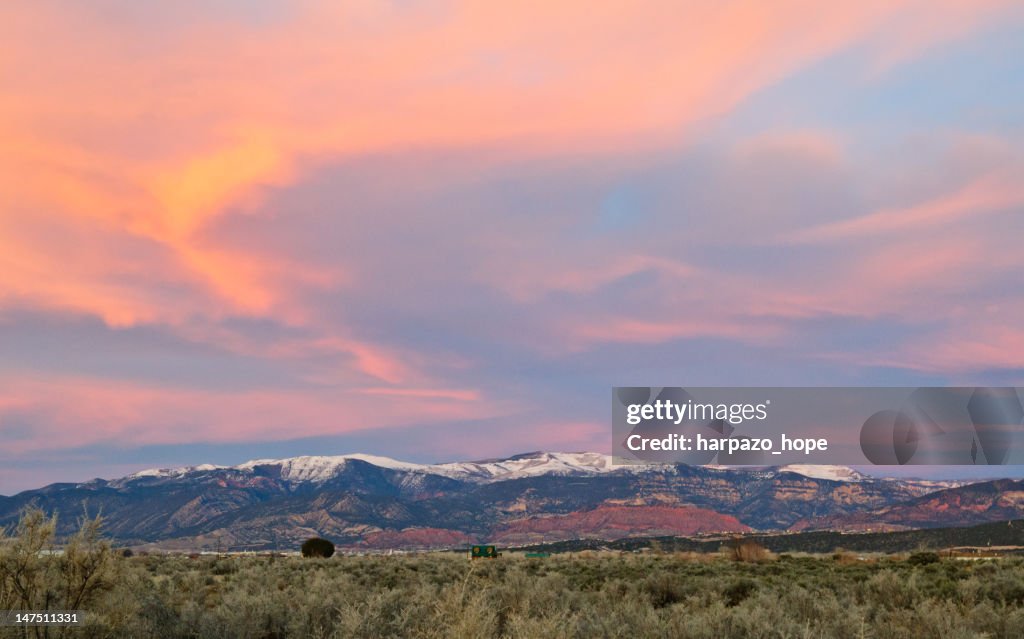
[370, 502]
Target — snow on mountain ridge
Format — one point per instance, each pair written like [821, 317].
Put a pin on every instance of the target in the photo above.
[528, 466]
[320, 468]
[833, 473]
[172, 472]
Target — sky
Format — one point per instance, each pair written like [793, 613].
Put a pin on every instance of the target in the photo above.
[440, 230]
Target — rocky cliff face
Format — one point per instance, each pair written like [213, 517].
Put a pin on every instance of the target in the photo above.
[999, 500]
[610, 522]
[372, 502]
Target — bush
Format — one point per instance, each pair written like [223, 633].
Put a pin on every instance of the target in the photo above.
[923, 558]
[748, 550]
[664, 589]
[317, 547]
[35, 576]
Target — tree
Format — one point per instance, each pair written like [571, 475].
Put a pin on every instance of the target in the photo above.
[317, 547]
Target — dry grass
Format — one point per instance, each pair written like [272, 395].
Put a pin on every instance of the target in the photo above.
[446, 595]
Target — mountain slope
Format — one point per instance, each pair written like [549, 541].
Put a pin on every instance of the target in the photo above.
[366, 501]
[983, 502]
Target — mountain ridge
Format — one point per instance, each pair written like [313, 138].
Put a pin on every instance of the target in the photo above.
[364, 501]
[320, 468]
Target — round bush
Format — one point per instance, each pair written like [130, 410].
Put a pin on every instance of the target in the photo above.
[923, 558]
[317, 547]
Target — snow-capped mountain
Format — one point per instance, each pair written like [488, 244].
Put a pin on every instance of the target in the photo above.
[367, 501]
[321, 468]
[832, 473]
[171, 472]
[529, 465]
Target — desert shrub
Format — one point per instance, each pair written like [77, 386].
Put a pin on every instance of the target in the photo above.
[844, 557]
[923, 558]
[738, 590]
[1004, 588]
[225, 565]
[747, 550]
[891, 590]
[317, 547]
[35, 576]
[664, 589]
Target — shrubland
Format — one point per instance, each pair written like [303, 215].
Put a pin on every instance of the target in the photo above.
[741, 592]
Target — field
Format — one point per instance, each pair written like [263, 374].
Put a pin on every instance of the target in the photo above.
[747, 592]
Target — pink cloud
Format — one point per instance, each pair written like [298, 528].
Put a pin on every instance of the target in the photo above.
[915, 32]
[983, 196]
[79, 411]
[552, 435]
[639, 331]
[821, 147]
[425, 393]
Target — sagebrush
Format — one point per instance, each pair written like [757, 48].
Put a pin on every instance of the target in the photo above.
[582, 595]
